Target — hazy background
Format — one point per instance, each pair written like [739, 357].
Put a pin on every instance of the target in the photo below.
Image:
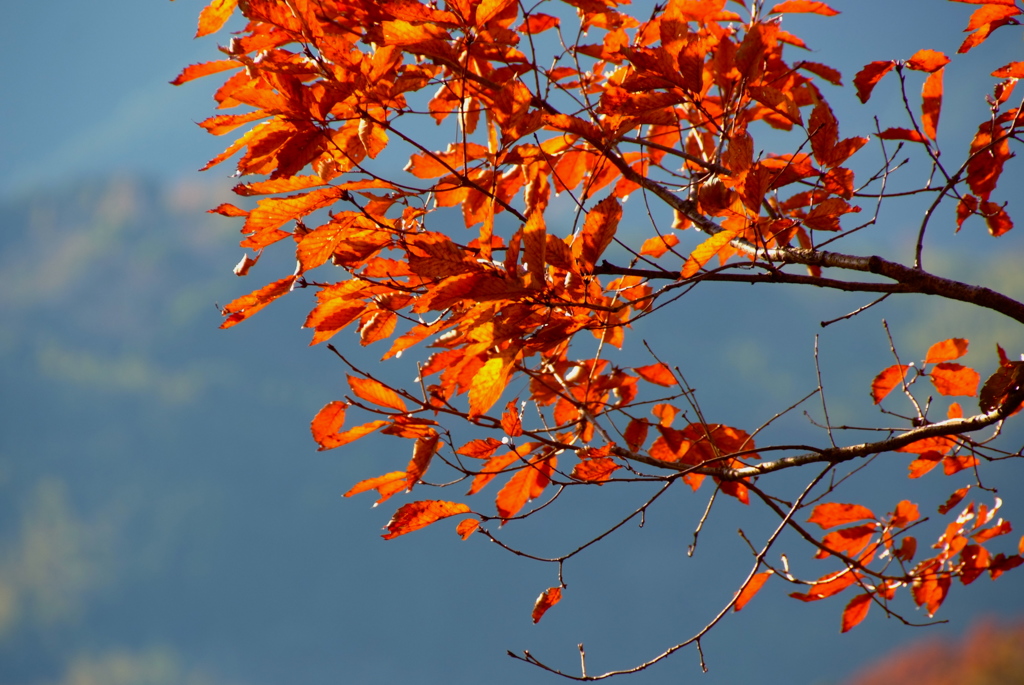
[165, 518]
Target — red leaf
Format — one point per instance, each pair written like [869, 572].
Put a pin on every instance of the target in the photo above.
[884, 382]
[868, 77]
[947, 350]
[901, 134]
[416, 515]
[855, 611]
[547, 599]
[635, 434]
[751, 589]
[954, 500]
[927, 60]
[834, 514]
[954, 379]
[832, 584]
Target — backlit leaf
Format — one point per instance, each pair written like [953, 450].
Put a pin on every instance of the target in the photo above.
[328, 421]
[954, 500]
[416, 515]
[375, 392]
[525, 484]
[804, 6]
[832, 514]
[855, 612]
[658, 374]
[387, 485]
[954, 379]
[884, 382]
[947, 350]
[751, 589]
[467, 528]
[547, 599]
[931, 96]
[927, 60]
[706, 251]
[868, 77]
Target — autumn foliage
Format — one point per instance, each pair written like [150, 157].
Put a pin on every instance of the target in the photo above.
[500, 112]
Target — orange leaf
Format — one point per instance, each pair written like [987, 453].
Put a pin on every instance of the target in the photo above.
[386, 485]
[927, 60]
[906, 512]
[804, 6]
[705, 251]
[956, 464]
[244, 307]
[849, 541]
[416, 515]
[834, 514]
[930, 591]
[351, 435]
[526, 484]
[868, 77]
[547, 599]
[538, 23]
[884, 382]
[954, 379]
[422, 453]
[751, 589]
[659, 245]
[595, 470]
[659, 374]
[1011, 70]
[375, 392]
[467, 528]
[214, 16]
[947, 350]
[598, 230]
[931, 96]
[855, 611]
[194, 71]
[510, 421]
[924, 463]
[328, 421]
[492, 468]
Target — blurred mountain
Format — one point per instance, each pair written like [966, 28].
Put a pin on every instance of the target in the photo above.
[164, 517]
